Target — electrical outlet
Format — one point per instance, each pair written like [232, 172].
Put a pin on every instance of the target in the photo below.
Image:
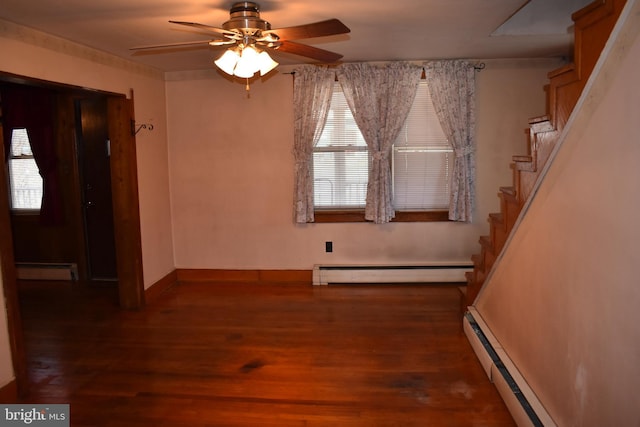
[328, 246]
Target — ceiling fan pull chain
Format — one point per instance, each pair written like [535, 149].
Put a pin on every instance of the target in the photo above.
[247, 86]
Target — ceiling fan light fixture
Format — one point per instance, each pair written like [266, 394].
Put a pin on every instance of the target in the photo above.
[227, 61]
[248, 63]
[266, 63]
[245, 63]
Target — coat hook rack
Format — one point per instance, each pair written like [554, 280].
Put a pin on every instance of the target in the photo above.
[135, 128]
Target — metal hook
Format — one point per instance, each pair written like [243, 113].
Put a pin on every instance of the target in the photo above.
[136, 128]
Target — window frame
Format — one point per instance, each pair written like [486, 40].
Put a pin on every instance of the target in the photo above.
[357, 215]
[337, 215]
[10, 180]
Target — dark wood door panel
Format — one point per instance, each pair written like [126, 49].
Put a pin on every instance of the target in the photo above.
[94, 148]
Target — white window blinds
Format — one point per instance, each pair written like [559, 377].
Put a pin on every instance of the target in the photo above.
[25, 180]
[421, 160]
[340, 159]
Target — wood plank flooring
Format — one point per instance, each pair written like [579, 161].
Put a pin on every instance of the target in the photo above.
[204, 354]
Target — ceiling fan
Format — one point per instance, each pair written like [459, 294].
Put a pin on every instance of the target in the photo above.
[250, 37]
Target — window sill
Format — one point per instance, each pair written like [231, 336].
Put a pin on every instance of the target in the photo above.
[322, 216]
[25, 212]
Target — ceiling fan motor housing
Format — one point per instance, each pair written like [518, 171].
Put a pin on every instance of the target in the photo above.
[245, 17]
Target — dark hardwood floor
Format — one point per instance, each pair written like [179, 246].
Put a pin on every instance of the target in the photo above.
[204, 354]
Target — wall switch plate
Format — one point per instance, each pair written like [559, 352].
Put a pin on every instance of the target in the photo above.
[328, 246]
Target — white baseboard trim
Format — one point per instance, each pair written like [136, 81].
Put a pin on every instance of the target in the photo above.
[524, 406]
[434, 272]
[47, 271]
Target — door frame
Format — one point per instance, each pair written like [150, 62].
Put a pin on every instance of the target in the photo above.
[126, 203]
[126, 216]
[10, 287]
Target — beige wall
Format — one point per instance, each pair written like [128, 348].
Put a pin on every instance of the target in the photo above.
[231, 166]
[563, 302]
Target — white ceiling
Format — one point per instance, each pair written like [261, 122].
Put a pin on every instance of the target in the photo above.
[380, 30]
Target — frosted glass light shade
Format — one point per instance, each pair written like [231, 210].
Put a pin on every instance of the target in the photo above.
[265, 63]
[246, 63]
[227, 62]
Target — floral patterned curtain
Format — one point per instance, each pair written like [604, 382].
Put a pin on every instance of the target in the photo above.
[312, 90]
[380, 98]
[452, 86]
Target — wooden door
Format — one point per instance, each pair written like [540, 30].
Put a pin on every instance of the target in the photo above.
[94, 154]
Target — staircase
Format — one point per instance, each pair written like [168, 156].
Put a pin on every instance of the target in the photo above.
[593, 25]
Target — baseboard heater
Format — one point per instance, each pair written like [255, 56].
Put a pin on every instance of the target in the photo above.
[47, 271]
[442, 271]
[523, 404]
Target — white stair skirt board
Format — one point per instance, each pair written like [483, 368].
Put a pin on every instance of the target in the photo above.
[521, 401]
[442, 271]
[47, 271]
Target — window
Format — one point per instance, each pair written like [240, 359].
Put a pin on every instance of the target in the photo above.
[340, 159]
[25, 180]
[421, 160]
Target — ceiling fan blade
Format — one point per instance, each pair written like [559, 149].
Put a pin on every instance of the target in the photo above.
[329, 27]
[209, 28]
[168, 45]
[309, 51]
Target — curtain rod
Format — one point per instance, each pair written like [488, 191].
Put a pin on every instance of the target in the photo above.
[479, 66]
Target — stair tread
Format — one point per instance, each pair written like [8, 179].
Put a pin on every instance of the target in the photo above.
[564, 69]
[542, 126]
[522, 158]
[469, 276]
[539, 119]
[478, 265]
[486, 242]
[508, 190]
[496, 217]
[585, 11]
